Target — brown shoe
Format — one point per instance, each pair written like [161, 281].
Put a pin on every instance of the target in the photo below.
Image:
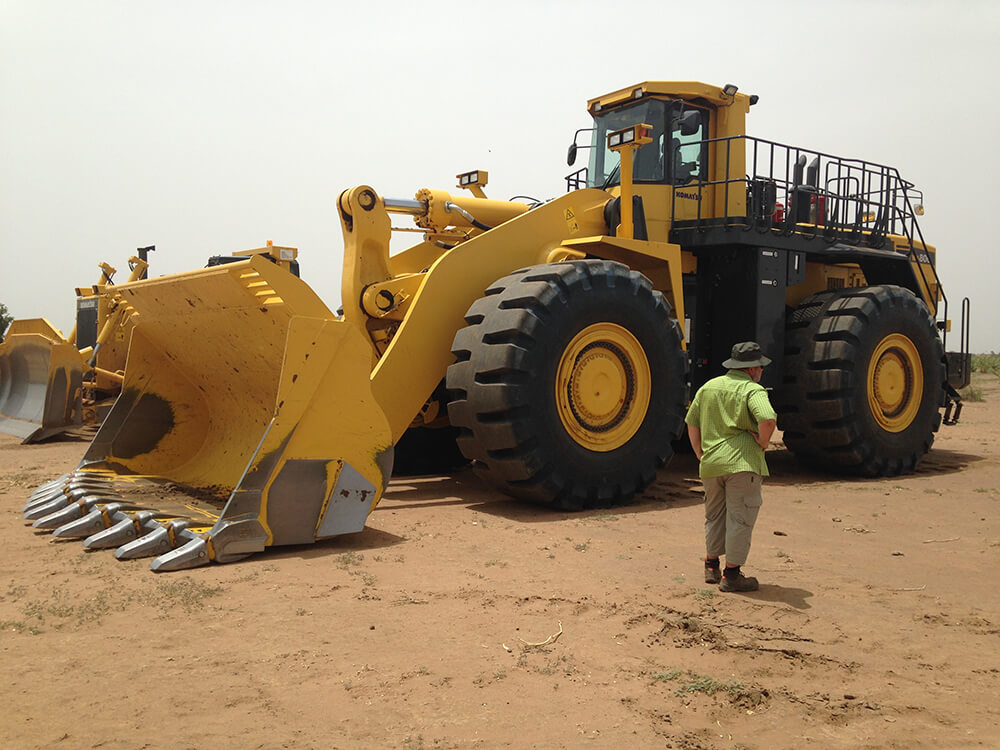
[739, 584]
[713, 574]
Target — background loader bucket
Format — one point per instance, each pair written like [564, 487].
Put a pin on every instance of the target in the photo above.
[41, 375]
[246, 419]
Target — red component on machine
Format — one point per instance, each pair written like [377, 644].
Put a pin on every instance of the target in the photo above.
[817, 209]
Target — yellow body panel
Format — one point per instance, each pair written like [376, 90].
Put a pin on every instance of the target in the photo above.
[660, 261]
[923, 268]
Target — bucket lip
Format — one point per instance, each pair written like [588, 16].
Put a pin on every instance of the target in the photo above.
[28, 430]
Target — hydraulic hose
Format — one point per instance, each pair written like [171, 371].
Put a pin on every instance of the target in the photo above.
[451, 206]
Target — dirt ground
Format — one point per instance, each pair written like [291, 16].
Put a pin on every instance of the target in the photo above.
[459, 618]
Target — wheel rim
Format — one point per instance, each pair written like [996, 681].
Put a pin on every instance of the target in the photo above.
[895, 383]
[603, 387]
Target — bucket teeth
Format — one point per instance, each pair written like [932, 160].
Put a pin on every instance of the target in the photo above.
[125, 529]
[71, 491]
[161, 539]
[71, 512]
[48, 487]
[91, 523]
[91, 506]
[191, 555]
[45, 497]
[114, 536]
[44, 509]
[53, 494]
[79, 492]
[74, 478]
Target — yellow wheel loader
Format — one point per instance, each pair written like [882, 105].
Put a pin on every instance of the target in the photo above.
[49, 383]
[557, 342]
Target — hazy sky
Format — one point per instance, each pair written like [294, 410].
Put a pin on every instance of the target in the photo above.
[208, 127]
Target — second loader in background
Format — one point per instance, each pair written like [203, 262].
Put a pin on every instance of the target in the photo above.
[50, 383]
[558, 341]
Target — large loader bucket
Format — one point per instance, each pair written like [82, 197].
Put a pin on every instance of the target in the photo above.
[246, 419]
[41, 375]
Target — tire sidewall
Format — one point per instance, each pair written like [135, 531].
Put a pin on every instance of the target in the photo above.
[907, 316]
[583, 308]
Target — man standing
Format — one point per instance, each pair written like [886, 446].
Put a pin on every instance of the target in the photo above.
[730, 423]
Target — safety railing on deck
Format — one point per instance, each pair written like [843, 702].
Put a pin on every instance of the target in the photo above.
[789, 190]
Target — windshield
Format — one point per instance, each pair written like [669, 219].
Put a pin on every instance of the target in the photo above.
[685, 158]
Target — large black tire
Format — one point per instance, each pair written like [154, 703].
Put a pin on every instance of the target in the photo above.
[863, 374]
[571, 446]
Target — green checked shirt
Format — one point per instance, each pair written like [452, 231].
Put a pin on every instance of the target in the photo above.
[724, 409]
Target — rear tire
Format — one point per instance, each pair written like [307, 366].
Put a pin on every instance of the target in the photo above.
[863, 375]
[570, 384]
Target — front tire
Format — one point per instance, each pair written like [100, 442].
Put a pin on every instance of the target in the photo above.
[863, 375]
[569, 384]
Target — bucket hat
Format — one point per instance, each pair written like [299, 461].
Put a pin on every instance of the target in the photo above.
[746, 354]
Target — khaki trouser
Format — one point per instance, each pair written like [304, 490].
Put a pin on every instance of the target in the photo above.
[732, 502]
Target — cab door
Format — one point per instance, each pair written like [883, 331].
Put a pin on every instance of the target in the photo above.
[687, 167]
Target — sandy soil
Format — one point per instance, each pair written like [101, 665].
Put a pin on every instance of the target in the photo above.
[459, 618]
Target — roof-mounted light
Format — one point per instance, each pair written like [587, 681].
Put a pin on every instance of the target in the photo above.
[730, 89]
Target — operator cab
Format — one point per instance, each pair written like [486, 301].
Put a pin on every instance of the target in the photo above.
[676, 156]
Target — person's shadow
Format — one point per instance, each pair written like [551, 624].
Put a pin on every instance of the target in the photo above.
[793, 597]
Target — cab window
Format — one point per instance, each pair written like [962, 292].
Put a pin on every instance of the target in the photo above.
[675, 156]
[648, 160]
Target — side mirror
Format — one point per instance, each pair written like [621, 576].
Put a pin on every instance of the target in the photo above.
[571, 155]
[689, 122]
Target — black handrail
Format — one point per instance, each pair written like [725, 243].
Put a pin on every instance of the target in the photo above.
[577, 180]
[855, 194]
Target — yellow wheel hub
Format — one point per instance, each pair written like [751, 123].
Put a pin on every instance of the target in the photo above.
[603, 387]
[895, 383]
